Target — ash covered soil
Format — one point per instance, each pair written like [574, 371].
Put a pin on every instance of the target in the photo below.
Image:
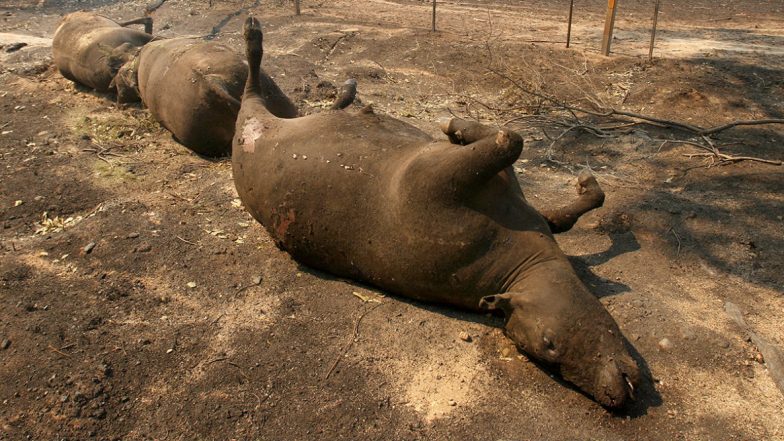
[138, 300]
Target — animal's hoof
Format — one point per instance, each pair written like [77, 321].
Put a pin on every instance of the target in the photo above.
[584, 177]
[444, 123]
[252, 29]
[502, 139]
[587, 184]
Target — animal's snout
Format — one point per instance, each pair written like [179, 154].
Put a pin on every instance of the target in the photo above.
[616, 382]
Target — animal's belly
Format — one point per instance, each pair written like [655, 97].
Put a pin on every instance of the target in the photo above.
[398, 250]
[187, 86]
[337, 198]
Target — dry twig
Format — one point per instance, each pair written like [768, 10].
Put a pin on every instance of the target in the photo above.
[351, 341]
[678, 238]
[187, 241]
[54, 349]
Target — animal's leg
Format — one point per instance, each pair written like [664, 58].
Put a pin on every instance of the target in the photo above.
[461, 131]
[275, 100]
[259, 85]
[146, 21]
[254, 51]
[458, 171]
[348, 93]
[590, 196]
[217, 87]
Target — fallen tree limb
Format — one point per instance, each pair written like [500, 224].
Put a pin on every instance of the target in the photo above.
[647, 118]
[772, 355]
[713, 152]
[724, 158]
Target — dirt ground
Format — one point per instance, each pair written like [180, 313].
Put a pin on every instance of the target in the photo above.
[140, 301]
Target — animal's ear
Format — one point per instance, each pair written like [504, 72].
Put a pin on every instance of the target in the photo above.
[497, 302]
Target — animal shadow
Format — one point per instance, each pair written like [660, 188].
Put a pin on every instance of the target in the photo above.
[621, 244]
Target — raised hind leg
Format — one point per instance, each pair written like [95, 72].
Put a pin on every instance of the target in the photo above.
[455, 172]
[146, 21]
[259, 85]
[275, 100]
[590, 197]
[464, 132]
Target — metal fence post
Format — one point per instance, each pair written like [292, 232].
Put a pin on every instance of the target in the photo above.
[653, 31]
[434, 15]
[569, 27]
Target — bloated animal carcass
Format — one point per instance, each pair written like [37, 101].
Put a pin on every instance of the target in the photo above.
[366, 196]
[194, 87]
[89, 48]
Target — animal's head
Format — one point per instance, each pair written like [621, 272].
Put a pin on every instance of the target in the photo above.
[126, 80]
[558, 322]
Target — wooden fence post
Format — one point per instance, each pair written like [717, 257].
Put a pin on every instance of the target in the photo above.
[609, 24]
[296, 7]
[653, 31]
[569, 27]
[434, 15]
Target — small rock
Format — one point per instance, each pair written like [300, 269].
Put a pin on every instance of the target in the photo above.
[665, 344]
[257, 280]
[465, 337]
[133, 235]
[143, 248]
[452, 403]
[191, 285]
[169, 351]
[88, 248]
[5, 344]
[106, 369]
[688, 334]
